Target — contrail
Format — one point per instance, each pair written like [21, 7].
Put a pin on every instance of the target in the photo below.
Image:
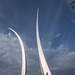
[23, 71]
[43, 64]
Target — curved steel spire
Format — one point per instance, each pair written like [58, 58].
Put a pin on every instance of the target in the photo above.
[43, 64]
[23, 71]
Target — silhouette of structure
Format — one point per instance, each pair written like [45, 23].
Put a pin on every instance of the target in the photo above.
[43, 64]
[23, 71]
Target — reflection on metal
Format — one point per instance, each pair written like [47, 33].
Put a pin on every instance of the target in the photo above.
[23, 71]
[43, 64]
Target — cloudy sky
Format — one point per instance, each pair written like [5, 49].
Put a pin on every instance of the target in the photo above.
[57, 34]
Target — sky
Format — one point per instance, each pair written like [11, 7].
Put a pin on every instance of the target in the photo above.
[57, 35]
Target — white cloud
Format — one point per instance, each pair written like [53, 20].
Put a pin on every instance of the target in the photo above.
[10, 56]
[10, 52]
[62, 58]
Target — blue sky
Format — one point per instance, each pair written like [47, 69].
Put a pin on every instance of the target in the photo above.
[56, 28]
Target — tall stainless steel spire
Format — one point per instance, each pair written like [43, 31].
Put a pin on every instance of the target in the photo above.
[43, 64]
[23, 71]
